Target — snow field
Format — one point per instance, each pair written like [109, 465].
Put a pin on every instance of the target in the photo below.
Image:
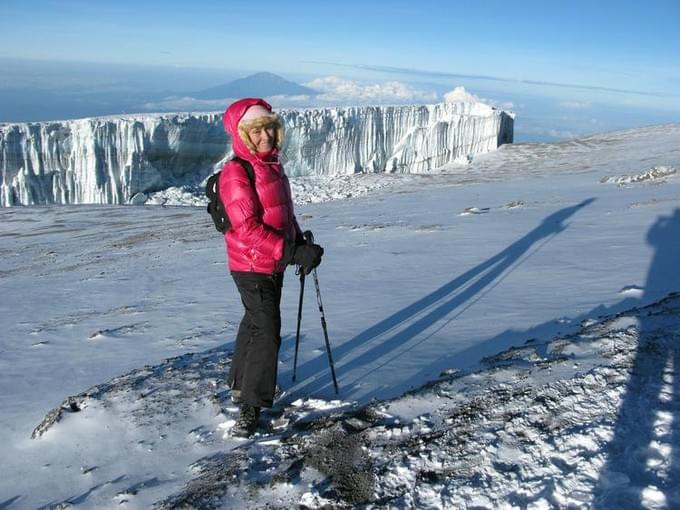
[515, 334]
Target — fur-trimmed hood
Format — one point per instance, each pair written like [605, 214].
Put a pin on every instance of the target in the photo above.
[241, 143]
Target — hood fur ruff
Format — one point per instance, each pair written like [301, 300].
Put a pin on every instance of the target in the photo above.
[263, 121]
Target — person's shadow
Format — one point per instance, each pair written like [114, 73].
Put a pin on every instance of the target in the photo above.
[648, 419]
[643, 455]
[434, 310]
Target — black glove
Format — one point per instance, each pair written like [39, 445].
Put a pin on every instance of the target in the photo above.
[308, 256]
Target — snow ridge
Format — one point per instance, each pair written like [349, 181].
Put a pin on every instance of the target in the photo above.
[655, 174]
[118, 160]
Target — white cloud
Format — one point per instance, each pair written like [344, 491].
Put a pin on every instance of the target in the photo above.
[334, 90]
[460, 95]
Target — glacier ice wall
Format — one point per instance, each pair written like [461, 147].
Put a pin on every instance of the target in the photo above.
[115, 160]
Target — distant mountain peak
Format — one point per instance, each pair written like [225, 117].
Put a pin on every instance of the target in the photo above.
[262, 84]
[263, 75]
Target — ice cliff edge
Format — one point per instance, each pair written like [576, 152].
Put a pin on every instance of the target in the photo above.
[110, 160]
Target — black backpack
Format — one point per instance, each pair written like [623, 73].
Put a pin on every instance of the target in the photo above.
[215, 206]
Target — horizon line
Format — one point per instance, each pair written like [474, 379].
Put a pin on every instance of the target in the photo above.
[446, 74]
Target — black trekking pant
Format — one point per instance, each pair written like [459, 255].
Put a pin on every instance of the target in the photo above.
[255, 361]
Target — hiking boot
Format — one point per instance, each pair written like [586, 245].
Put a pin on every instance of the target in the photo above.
[247, 421]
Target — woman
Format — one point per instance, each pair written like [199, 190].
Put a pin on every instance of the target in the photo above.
[263, 239]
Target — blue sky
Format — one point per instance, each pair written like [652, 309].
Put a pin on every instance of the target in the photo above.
[586, 56]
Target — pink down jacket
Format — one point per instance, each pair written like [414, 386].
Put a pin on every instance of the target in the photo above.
[262, 219]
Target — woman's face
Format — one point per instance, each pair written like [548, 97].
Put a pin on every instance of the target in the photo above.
[263, 137]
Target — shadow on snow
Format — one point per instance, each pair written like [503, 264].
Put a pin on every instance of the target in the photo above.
[386, 339]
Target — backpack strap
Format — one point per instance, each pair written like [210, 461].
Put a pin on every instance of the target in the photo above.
[215, 206]
[248, 168]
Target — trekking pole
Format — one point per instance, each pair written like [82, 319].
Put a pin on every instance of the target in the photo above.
[310, 240]
[299, 320]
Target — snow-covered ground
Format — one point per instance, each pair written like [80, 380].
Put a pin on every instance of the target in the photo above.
[502, 331]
